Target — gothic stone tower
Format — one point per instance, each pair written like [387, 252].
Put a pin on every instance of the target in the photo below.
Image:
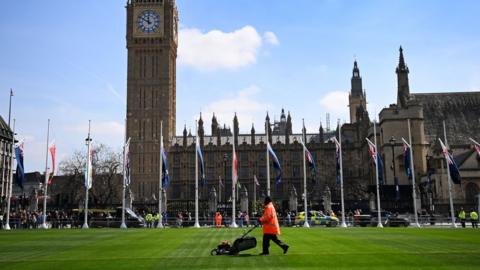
[152, 27]
[357, 97]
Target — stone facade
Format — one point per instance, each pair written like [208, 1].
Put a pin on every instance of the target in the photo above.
[427, 112]
[152, 28]
[6, 135]
[151, 98]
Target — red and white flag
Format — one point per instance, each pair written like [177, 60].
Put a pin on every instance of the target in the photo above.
[372, 149]
[235, 167]
[52, 150]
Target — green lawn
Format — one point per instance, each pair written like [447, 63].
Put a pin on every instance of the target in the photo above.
[315, 248]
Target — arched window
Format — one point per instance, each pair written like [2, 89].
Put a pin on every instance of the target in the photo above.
[471, 192]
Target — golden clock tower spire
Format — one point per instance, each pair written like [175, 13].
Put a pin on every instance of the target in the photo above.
[151, 87]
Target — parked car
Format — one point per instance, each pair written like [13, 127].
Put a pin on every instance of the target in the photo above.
[316, 218]
[131, 220]
[390, 220]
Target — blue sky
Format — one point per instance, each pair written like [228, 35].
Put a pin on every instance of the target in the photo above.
[66, 60]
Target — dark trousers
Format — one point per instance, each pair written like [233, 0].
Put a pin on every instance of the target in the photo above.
[274, 238]
[462, 221]
[474, 223]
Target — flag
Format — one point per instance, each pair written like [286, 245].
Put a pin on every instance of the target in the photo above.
[220, 181]
[477, 148]
[454, 171]
[126, 164]
[20, 175]
[200, 157]
[376, 159]
[256, 180]
[52, 149]
[276, 164]
[234, 167]
[165, 175]
[309, 159]
[407, 159]
[89, 170]
[337, 158]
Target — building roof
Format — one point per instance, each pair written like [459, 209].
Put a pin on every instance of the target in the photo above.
[259, 138]
[5, 131]
[461, 112]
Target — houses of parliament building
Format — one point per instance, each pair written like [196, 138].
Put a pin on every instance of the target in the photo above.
[152, 41]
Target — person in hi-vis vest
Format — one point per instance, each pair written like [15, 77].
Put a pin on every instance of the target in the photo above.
[270, 227]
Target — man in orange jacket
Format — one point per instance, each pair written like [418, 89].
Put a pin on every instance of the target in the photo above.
[270, 227]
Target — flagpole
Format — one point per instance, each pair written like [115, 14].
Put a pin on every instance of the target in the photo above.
[452, 213]
[414, 192]
[197, 224]
[344, 224]
[305, 205]
[9, 194]
[45, 187]
[379, 225]
[268, 161]
[254, 192]
[87, 182]
[234, 181]
[160, 187]
[123, 225]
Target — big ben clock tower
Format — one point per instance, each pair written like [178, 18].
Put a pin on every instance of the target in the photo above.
[152, 27]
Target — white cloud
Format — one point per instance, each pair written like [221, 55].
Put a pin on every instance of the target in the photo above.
[271, 38]
[244, 103]
[108, 132]
[221, 50]
[336, 103]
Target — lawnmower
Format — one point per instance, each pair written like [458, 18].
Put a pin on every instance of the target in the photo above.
[240, 244]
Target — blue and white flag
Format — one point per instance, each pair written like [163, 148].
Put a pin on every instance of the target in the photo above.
[276, 164]
[20, 175]
[452, 165]
[165, 175]
[376, 159]
[126, 164]
[200, 159]
[89, 169]
[407, 159]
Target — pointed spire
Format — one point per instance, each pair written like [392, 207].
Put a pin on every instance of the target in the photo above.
[267, 118]
[401, 61]
[403, 91]
[283, 118]
[253, 129]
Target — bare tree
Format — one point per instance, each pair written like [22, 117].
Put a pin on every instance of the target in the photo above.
[107, 178]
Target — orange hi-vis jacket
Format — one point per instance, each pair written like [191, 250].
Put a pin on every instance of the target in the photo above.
[218, 220]
[269, 220]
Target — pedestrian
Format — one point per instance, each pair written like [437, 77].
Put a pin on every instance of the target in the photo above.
[149, 219]
[462, 217]
[270, 227]
[218, 220]
[474, 218]
[247, 218]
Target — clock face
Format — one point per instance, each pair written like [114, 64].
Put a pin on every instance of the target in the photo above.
[148, 21]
